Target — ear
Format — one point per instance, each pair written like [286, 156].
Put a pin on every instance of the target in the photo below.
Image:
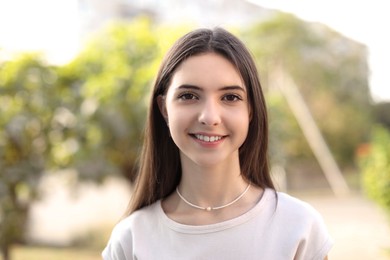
[162, 107]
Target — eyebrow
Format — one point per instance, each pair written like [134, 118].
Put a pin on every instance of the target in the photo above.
[233, 87]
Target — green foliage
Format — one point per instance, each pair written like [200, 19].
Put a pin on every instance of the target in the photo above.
[374, 161]
[112, 78]
[282, 119]
[332, 75]
[27, 102]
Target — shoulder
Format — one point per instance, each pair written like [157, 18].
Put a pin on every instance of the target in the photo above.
[296, 208]
[140, 218]
[305, 224]
[299, 218]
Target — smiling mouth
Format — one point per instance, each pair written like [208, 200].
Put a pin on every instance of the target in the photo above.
[206, 138]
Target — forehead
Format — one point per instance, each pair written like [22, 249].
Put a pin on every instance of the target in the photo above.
[208, 69]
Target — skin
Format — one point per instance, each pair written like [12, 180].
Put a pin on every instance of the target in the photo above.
[207, 97]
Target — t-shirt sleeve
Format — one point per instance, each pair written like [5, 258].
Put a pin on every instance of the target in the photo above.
[317, 241]
[113, 251]
[119, 246]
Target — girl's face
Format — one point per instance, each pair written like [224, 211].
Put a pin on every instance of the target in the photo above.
[207, 110]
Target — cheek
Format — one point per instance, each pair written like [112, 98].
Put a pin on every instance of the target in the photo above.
[241, 114]
[242, 122]
[177, 118]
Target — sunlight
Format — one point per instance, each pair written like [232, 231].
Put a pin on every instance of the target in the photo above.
[41, 25]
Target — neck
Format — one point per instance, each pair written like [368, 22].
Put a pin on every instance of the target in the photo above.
[211, 185]
[210, 208]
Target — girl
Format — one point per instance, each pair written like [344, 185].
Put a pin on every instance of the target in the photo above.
[204, 190]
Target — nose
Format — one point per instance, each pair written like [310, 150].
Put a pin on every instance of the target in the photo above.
[210, 113]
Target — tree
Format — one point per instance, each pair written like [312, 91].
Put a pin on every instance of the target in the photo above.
[112, 77]
[332, 74]
[27, 128]
[374, 162]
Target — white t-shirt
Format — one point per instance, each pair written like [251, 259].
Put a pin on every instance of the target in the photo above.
[279, 227]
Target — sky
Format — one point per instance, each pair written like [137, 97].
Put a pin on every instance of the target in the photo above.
[53, 26]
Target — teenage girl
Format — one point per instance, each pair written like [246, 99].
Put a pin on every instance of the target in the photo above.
[204, 189]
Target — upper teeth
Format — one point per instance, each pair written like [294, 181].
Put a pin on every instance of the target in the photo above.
[208, 138]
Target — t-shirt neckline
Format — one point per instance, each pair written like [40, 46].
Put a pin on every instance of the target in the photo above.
[210, 228]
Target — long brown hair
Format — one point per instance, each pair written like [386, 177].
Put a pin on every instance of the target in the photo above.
[160, 169]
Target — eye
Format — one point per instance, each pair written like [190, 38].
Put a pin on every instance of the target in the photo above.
[231, 97]
[187, 96]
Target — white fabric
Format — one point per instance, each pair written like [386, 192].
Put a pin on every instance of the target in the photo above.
[278, 227]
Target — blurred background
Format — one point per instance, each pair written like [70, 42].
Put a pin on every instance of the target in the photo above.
[74, 83]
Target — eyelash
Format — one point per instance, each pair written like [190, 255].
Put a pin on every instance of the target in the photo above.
[235, 97]
[184, 96]
[191, 96]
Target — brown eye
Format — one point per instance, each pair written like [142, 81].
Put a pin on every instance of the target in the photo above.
[231, 98]
[187, 96]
